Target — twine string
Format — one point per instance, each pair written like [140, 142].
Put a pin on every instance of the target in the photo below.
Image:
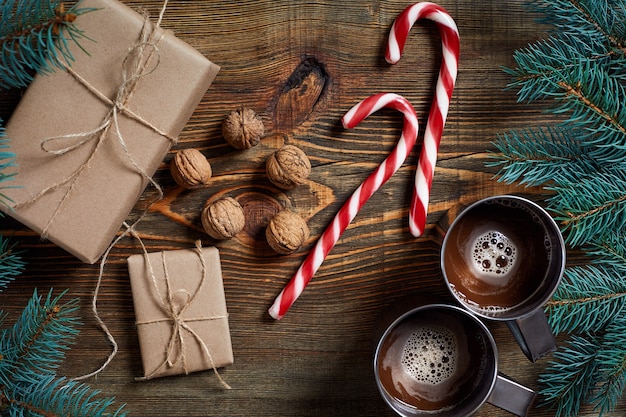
[141, 60]
[130, 80]
[176, 348]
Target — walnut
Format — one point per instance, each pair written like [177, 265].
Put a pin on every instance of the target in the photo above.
[288, 167]
[223, 218]
[243, 128]
[286, 232]
[190, 169]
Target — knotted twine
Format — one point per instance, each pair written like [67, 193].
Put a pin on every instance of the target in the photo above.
[176, 348]
[141, 60]
[138, 63]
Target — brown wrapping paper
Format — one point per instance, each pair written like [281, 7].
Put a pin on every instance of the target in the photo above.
[87, 213]
[204, 316]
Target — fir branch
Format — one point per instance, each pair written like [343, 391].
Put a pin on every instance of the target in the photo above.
[31, 351]
[595, 101]
[611, 365]
[599, 21]
[587, 300]
[11, 263]
[52, 397]
[580, 72]
[7, 160]
[609, 249]
[535, 157]
[591, 206]
[541, 66]
[36, 344]
[571, 377]
[35, 37]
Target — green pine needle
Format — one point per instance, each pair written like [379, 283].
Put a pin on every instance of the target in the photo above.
[7, 160]
[579, 71]
[609, 249]
[37, 342]
[31, 351]
[59, 397]
[11, 263]
[588, 299]
[611, 365]
[591, 206]
[534, 157]
[569, 380]
[35, 36]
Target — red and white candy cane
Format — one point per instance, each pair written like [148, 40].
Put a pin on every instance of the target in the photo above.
[439, 109]
[351, 207]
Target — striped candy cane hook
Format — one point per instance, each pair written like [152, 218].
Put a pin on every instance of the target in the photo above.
[351, 207]
[441, 102]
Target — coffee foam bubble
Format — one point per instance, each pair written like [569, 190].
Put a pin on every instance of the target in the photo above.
[427, 359]
[531, 211]
[429, 355]
[494, 254]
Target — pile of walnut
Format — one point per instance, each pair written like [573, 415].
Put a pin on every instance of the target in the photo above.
[224, 218]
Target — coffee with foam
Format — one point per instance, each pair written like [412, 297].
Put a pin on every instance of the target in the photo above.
[497, 256]
[433, 360]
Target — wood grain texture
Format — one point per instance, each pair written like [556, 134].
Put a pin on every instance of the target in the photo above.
[301, 65]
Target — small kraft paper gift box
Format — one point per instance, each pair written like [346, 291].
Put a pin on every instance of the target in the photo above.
[180, 311]
[89, 139]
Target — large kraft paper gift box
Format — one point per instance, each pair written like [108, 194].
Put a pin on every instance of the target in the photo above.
[79, 197]
[180, 311]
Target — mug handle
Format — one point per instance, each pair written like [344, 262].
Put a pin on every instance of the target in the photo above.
[533, 334]
[511, 396]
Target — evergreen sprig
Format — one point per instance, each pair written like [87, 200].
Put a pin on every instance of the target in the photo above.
[11, 262]
[579, 71]
[570, 379]
[591, 205]
[35, 37]
[534, 157]
[60, 397]
[7, 160]
[31, 351]
[589, 298]
[611, 361]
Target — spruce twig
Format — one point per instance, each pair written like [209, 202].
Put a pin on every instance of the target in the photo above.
[35, 36]
[31, 350]
[570, 378]
[612, 366]
[7, 160]
[580, 72]
[11, 263]
[591, 206]
[540, 156]
[588, 299]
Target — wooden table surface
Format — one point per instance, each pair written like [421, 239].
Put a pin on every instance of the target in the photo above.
[301, 65]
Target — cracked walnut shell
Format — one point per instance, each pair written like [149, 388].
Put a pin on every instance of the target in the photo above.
[223, 218]
[288, 167]
[286, 232]
[190, 169]
[243, 128]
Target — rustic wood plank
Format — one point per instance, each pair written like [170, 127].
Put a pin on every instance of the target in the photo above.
[301, 66]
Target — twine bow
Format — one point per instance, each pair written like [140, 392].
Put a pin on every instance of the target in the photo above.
[174, 314]
[137, 64]
[141, 60]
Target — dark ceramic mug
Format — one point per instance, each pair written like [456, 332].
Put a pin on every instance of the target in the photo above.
[502, 259]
